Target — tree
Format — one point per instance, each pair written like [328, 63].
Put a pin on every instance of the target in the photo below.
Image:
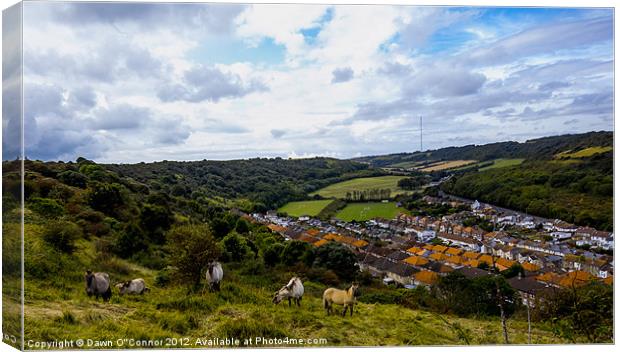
[581, 313]
[156, 219]
[272, 254]
[295, 252]
[336, 257]
[242, 226]
[191, 248]
[129, 241]
[105, 197]
[235, 247]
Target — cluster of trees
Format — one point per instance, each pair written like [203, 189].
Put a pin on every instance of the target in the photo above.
[580, 193]
[368, 194]
[267, 183]
[418, 207]
[415, 182]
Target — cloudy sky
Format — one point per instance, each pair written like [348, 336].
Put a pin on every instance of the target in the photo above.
[143, 82]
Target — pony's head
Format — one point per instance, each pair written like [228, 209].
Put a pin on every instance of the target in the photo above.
[280, 294]
[355, 289]
[88, 277]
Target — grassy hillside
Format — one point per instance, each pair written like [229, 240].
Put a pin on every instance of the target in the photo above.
[499, 163]
[59, 309]
[580, 193]
[541, 148]
[367, 211]
[308, 207]
[340, 189]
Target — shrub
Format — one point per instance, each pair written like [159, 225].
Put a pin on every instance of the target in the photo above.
[192, 247]
[49, 208]
[62, 235]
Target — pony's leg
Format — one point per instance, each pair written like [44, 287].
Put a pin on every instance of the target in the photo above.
[351, 310]
[289, 301]
[344, 312]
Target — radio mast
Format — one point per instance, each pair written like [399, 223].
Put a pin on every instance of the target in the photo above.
[421, 149]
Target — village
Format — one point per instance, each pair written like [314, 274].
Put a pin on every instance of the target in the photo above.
[412, 251]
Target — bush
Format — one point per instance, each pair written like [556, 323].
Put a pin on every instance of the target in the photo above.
[49, 208]
[62, 235]
[235, 247]
[191, 248]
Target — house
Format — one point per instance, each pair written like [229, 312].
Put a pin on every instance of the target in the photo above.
[397, 256]
[561, 235]
[530, 290]
[465, 242]
[416, 261]
[474, 272]
[439, 268]
[425, 278]
[456, 261]
[426, 235]
[603, 239]
[401, 273]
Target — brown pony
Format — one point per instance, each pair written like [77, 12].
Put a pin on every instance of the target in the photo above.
[340, 297]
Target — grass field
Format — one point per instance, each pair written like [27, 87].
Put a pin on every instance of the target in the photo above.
[340, 189]
[447, 165]
[584, 152]
[498, 163]
[310, 207]
[59, 309]
[367, 211]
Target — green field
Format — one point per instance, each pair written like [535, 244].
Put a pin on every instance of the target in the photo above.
[584, 153]
[367, 211]
[309, 207]
[340, 189]
[498, 163]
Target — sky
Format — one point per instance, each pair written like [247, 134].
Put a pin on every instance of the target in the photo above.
[131, 82]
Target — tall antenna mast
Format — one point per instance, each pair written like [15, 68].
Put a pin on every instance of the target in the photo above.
[421, 149]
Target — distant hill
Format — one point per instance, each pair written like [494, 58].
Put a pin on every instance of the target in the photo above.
[541, 148]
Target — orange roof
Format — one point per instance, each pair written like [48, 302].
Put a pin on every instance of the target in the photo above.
[427, 277]
[472, 263]
[455, 259]
[414, 249]
[530, 267]
[471, 255]
[490, 235]
[438, 256]
[549, 277]
[445, 269]
[486, 258]
[313, 232]
[331, 236]
[468, 229]
[428, 247]
[505, 262]
[439, 248]
[454, 251]
[579, 275]
[307, 238]
[416, 261]
[320, 242]
[422, 252]
[360, 243]
[276, 228]
[609, 280]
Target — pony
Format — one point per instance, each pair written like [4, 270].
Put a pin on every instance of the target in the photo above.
[293, 290]
[346, 298]
[98, 284]
[214, 275]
